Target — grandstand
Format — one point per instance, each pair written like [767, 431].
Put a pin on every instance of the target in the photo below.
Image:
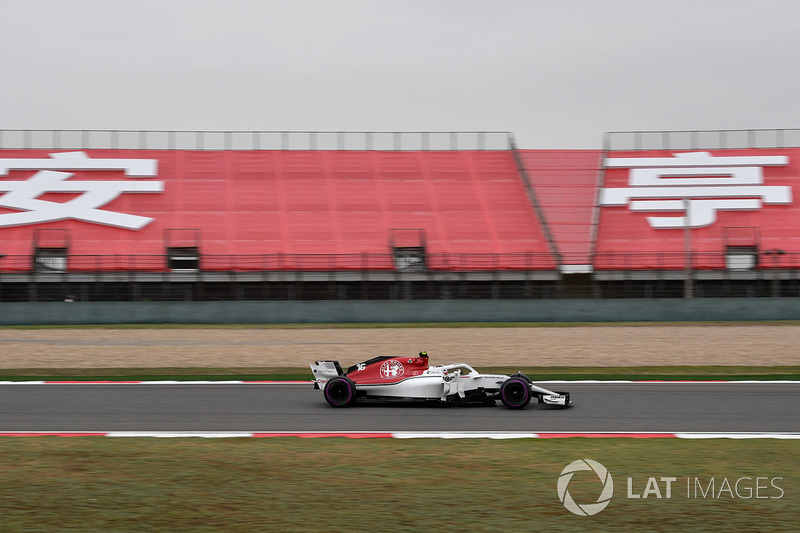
[135, 215]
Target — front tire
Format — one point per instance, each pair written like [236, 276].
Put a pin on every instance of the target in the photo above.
[515, 393]
[340, 392]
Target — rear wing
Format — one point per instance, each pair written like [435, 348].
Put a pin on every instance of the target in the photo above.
[325, 370]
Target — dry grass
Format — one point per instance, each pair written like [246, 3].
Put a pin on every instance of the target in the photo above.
[243, 347]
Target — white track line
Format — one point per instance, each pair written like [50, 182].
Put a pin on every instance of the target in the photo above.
[402, 434]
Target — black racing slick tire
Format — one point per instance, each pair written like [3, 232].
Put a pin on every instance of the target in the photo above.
[340, 392]
[515, 393]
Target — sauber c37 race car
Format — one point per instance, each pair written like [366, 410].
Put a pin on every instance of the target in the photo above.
[411, 378]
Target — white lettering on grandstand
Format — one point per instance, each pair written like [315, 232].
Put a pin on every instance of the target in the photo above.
[23, 195]
[697, 184]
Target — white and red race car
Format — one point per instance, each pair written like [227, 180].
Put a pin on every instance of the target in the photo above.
[411, 378]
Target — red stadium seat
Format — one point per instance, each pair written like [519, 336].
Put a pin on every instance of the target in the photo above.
[307, 210]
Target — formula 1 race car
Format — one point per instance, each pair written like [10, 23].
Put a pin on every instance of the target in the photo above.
[411, 378]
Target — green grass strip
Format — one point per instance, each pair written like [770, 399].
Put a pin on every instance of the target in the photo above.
[395, 325]
[634, 373]
[339, 485]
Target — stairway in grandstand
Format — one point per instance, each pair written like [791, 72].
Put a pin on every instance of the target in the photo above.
[565, 183]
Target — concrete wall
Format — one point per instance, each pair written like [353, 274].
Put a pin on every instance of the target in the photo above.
[260, 312]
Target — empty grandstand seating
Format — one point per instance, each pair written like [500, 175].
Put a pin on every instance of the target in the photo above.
[462, 210]
[316, 210]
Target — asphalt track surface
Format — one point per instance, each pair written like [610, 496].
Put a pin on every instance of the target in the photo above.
[626, 407]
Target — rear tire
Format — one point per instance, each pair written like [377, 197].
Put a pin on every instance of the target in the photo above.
[340, 392]
[515, 393]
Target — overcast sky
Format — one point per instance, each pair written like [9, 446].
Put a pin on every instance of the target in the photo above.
[557, 73]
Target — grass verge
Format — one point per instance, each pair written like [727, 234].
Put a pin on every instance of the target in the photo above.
[395, 325]
[636, 373]
[290, 484]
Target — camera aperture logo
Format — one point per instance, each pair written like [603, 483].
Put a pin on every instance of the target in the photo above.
[586, 509]
[664, 487]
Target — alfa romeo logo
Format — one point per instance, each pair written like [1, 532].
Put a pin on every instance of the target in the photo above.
[392, 369]
[586, 509]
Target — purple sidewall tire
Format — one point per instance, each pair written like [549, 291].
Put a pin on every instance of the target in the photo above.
[340, 392]
[515, 393]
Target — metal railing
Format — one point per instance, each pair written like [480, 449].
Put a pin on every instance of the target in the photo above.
[455, 262]
[701, 139]
[767, 260]
[253, 140]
